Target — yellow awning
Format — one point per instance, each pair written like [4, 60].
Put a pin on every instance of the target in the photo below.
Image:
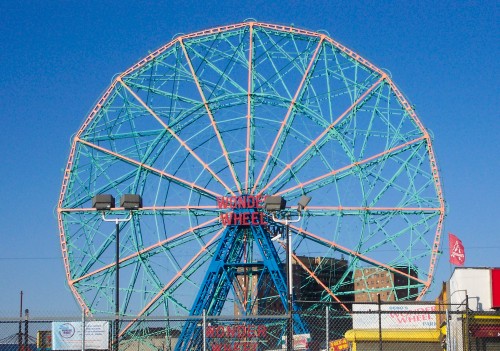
[422, 335]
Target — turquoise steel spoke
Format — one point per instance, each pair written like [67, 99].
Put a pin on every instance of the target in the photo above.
[276, 69]
[160, 92]
[185, 277]
[152, 170]
[332, 134]
[292, 112]
[390, 182]
[224, 74]
[347, 171]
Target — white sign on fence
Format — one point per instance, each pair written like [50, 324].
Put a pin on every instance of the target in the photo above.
[68, 335]
[300, 341]
[396, 316]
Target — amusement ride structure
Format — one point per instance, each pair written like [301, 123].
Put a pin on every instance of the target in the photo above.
[205, 129]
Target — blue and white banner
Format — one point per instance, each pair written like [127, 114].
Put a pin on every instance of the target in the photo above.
[68, 335]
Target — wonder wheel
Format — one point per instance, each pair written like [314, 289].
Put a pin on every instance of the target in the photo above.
[208, 126]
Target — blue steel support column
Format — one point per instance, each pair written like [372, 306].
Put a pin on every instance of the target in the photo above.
[221, 274]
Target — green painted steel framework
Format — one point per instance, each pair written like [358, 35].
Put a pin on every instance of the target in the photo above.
[251, 109]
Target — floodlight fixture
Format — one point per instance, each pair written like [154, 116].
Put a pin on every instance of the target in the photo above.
[103, 202]
[303, 202]
[131, 202]
[274, 203]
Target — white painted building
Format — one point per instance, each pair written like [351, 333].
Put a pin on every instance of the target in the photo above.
[479, 290]
[474, 282]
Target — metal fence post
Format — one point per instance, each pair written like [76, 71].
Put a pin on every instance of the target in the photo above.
[467, 323]
[83, 329]
[26, 342]
[327, 328]
[448, 329]
[379, 322]
[204, 330]
[20, 334]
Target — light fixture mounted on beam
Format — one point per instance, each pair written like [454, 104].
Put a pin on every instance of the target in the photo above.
[303, 202]
[274, 203]
[131, 201]
[103, 202]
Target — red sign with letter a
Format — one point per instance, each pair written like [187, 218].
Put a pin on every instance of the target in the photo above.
[457, 252]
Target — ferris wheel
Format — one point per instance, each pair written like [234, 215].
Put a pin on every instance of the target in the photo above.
[208, 126]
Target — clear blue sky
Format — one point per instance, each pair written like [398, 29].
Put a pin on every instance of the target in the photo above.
[57, 57]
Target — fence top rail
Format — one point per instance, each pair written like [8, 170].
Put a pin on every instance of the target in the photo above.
[50, 319]
[320, 313]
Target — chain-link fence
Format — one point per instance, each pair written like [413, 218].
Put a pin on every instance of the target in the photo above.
[405, 326]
